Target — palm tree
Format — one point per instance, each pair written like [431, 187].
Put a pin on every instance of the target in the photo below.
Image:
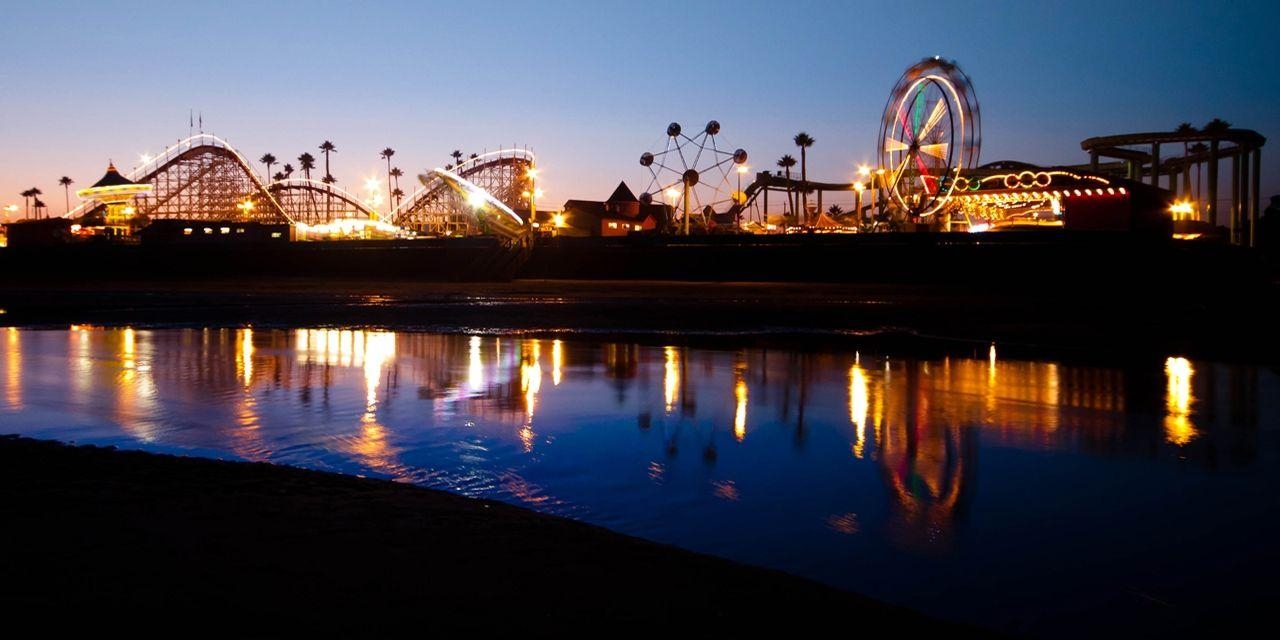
[786, 162]
[804, 141]
[328, 179]
[457, 157]
[66, 190]
[835, 210]
[473, 156]
[306, 162]
[40, 205]
[386, 155]
[328, 148]
[288, 170]
[35, 195]
[268, 160]
[397, 194]
[278, 176]
[396, 173]
[26, 202]
[448, 167]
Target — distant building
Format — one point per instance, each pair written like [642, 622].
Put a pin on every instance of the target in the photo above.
[622, 213]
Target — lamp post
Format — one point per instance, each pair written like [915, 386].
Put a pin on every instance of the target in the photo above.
[858, 188]
[742, 197]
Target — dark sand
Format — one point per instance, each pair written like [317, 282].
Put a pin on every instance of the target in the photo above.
[144, 542]
[1221, 322]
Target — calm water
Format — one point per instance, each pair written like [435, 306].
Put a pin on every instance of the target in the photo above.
[1025, 495]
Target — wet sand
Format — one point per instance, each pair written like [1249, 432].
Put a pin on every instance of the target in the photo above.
[1225, 322]
[94, 537]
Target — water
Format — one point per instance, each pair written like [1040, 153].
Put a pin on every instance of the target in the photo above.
[1034, 496]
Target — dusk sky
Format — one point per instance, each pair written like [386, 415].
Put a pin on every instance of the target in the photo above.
[589, 86]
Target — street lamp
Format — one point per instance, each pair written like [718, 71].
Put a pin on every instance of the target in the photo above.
[742, 197]
[858, 187]
[245, 208]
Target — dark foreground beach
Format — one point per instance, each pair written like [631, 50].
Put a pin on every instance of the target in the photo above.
[109, 539]
[1229, 320]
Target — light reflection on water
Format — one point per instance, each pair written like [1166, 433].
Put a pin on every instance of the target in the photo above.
[936, 482]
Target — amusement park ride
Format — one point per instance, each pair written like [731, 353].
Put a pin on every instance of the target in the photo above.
[927, 178]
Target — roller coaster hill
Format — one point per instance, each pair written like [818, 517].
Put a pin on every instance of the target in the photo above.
[200, 210]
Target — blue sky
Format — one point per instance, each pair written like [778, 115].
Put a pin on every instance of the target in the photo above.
[591, 85]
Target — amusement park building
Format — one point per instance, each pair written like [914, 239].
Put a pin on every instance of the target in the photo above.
[622, 213]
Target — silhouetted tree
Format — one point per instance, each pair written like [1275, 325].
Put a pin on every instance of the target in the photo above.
[66, 191]
[457, 157]
[288, 170]
[835, 210]
[35, 195]
[398, 195]
[268, 160]
[306, 162]
[396, 173]
[804, 141]
[328, 148]
[386, 155]
[39, 206]
[786, 162]
[26, 202]
[278, 176]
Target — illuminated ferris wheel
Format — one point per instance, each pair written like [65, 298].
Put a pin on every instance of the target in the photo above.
[931, 132]
[692, 173]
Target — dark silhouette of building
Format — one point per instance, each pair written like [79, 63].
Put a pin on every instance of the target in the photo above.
[622, 213]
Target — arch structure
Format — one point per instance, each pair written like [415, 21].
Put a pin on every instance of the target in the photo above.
[445, 204]
[312, 202]
[200, 178]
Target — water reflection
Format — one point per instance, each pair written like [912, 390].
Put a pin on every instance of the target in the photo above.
[876, 450]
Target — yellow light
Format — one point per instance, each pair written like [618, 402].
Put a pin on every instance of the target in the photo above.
[557, 360]
[865, 171]
[859, 187]
[1178, 427]
[671, 377]
[145, 158]
[128, 211]
[537, 193]
[740, 410]
[674, 194]
[1181, 209]
[532, 172]
[371, 184]
[742, 168]
[858, 408]
[558, 220]
[475, 199]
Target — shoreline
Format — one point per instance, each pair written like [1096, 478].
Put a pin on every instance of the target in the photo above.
[1228, 323]
[151, 539]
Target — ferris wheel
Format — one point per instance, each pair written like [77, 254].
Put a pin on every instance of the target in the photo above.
[691, 174]
[930, 133]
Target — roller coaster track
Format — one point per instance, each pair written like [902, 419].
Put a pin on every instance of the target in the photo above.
[440, 207]
[205, 178]
[200, 178]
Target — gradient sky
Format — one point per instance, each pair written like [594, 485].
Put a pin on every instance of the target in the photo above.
[591, 85]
